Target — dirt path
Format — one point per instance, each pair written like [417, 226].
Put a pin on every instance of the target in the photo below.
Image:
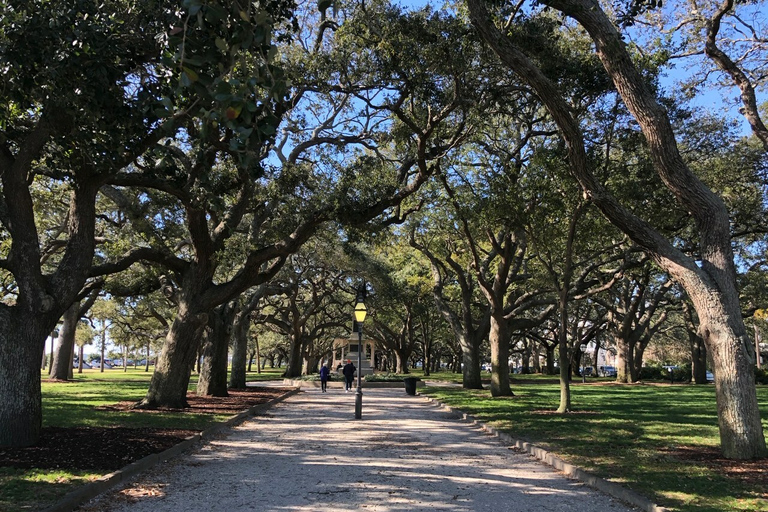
[309, 454]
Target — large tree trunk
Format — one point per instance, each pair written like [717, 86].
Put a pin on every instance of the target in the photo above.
[697, 346]
[213, 371]
[629, 358]
[471, 364]
[294, 359]
[698, 358]
[550, 359]
[623, 359]
[565, 379]
[536, 358]
[499, 340]
[21, 414]
[240, 329]
[259, 364]
[638, 354]
[168, 387]
[311, 365]
[427, 358]
[62, 356]
[741, 433]
[526, 360]
[401, 363]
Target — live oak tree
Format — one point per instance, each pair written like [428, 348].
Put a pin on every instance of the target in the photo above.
[86, 89]
[456, 296]
[227, 194]
[710, 283]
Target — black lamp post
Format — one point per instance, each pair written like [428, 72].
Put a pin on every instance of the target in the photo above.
[360, 312]
[583, 348]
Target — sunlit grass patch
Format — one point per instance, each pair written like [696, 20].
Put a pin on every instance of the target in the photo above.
[35, 489]
[645, 437]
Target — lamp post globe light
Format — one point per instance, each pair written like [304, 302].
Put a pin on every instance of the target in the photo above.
[583, 348]
[360, 312]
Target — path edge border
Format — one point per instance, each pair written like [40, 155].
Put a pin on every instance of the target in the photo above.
[81, 495]
[575, 472]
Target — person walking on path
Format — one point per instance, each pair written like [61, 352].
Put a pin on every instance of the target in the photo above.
[324, 373]
[349, 375]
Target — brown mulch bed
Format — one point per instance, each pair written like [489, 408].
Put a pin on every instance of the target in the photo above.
[106, 449]
[238, 400]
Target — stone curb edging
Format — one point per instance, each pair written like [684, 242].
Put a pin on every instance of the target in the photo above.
[575, 472]
[82, 494]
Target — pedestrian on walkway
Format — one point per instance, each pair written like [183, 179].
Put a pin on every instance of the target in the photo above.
[349, 375]
[324, 374]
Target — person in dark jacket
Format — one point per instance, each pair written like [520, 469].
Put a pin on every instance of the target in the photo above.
[349, 375]
[324, 374]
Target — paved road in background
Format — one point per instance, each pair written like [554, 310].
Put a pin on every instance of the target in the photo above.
[309, 454]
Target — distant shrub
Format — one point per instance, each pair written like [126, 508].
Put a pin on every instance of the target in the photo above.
[657, 372]
[761, 376]
[653, 372]
[682, 373]
[387, 377]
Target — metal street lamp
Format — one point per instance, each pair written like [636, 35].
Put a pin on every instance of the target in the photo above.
[360, 312]
[583, 348]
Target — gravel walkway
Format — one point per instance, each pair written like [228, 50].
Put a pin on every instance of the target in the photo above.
[308, 454]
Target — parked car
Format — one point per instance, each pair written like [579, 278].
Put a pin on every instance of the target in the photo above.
[608, 371]
[710, 377]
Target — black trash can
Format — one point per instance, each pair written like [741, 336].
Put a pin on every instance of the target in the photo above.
[410, 385]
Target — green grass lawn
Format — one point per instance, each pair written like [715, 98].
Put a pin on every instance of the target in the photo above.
[627, 434]
[74, 403]
[69, 404]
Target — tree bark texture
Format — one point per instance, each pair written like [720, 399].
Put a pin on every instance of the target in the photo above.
[711, 286]
[499, 340]
[627, 370]
[169, 383]
[295, 359]
[21, 413]
[213, 370]
[62, 356]
[471, 364]
[240, 329]
[698, 358]
[565, 381]
[550, 360]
